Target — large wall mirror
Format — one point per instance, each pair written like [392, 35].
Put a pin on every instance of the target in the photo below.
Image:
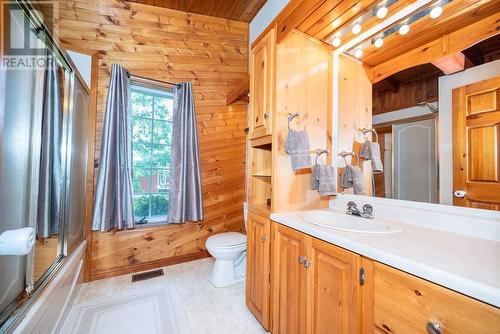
[426, 89]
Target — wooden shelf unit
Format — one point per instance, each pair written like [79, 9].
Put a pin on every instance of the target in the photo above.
[261, 176]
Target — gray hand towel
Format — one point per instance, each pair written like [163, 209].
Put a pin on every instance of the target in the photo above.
[297, 147]
[327, 178]
[371, 151]
[314, 177]
[352, 177]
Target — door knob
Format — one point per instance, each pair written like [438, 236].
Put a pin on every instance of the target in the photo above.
[433, 328]
[301, 259]
[460, 193]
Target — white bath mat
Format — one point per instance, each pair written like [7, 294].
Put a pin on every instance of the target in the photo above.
[157, 311]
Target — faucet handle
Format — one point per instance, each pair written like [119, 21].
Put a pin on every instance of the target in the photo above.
[351, 208]
[367, 211]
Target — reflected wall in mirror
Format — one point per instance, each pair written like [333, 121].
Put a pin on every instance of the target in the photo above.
[432, 97]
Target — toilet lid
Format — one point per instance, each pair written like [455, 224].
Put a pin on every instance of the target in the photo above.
[226, 240]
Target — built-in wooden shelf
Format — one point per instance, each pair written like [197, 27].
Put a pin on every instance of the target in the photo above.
[261, 209]
[262, 174]
[264, 142]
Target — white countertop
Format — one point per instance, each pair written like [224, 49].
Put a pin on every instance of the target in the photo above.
[467, 264]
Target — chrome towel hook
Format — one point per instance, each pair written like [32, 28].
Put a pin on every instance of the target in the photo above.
[366, 130]
[291, 117]
[344, 154]
[318, 153]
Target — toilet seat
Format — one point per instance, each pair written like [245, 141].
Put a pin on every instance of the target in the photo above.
[227, 240]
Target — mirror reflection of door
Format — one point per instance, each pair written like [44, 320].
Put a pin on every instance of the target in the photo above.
[476, 148]
[414, 161]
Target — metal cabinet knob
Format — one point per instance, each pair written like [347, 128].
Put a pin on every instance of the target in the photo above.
[307, 263]
[433, 328]
[301, 259]
[460, 193]
[263, 238]
[266, 115]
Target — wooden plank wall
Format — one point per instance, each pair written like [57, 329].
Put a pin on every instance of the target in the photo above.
[171, 45]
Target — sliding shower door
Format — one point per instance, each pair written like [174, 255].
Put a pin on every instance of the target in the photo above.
[19, 96]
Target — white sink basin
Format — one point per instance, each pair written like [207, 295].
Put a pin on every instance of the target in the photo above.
[344, 222]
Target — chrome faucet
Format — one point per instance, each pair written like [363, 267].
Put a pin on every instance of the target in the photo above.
[353, 210]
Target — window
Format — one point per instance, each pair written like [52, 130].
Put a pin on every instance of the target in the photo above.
[151, 152]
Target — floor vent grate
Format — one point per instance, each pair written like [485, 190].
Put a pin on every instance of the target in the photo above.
[147, 275]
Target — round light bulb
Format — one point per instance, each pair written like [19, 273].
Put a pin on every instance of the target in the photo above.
[379, 42]
[336, 41]
[358, 53]
[356, 29]
[382, 12]
[404, 29]
[436, 12]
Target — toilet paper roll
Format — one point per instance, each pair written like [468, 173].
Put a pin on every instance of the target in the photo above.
[17, 242]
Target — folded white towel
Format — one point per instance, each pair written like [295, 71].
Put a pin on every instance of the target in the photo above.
[371, 151]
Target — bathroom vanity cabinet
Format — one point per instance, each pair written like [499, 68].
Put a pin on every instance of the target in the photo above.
[258, 282]
[262, 74]
[317, 287]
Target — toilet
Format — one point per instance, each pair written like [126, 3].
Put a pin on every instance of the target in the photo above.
[229, 251]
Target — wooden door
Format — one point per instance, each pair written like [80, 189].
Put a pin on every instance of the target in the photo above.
[289, 281]
[334, 291]
[258, 279]
[262, 85]
[476, 148]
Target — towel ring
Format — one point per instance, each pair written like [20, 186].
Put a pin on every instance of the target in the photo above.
[318, 153]
[344, 154]
[291, 117]
[365, 131]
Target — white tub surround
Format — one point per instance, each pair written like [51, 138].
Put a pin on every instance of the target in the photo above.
[454, 247]
[49, 310]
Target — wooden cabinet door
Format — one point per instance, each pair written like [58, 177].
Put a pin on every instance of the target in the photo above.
[289, 281]
[262, 85]
[476, 145]
[333, 290]
[258, 268]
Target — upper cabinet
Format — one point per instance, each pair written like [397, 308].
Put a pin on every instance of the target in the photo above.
[262, 73]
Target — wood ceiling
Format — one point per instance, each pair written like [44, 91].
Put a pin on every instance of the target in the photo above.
[239, 10]
[323, 19]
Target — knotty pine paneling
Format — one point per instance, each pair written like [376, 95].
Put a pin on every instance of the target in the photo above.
[407, 95]
[171, 45]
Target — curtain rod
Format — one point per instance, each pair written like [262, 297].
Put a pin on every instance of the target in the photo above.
[155, 80]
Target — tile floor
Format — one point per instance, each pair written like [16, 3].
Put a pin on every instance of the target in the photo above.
[181, 301]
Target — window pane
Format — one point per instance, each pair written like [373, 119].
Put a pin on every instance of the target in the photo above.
[162, 132]
[159, 205]
[161, 156]
[141, 181]
[163, 108]
[141, 206]
[141, 154]
[142, 105]
[141, 129]
[160, 181]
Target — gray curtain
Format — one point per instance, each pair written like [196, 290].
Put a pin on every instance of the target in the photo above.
[50, 182]
[185, 192]
[113, 197]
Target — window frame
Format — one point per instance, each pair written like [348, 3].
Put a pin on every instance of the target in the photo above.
[155, 91]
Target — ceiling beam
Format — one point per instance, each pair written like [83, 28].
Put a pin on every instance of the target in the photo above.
[448, 44]
[450, 64]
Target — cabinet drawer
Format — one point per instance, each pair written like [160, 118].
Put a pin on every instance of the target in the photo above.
[405, 304]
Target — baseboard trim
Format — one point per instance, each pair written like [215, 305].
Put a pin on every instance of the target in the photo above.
[133, 268]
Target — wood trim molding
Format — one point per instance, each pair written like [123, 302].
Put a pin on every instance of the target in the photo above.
[128, 269]
[448, 44]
